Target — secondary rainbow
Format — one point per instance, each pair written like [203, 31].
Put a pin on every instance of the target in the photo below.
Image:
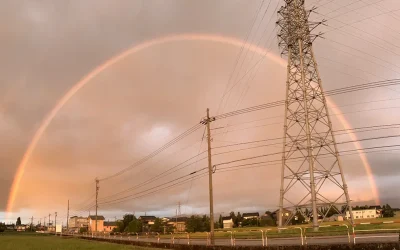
[142, 46]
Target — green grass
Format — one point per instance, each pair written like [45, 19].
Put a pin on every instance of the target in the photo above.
[32, 241]
[326, 229]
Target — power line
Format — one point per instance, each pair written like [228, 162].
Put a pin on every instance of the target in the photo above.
[338, 91]
[239, 55]
[194, 177]
[156, 152]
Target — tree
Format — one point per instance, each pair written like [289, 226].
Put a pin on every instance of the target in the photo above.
[135, 226]
[221, 221]
[238, 220]
[387, 211]
[253, 222]
[2, 227]
[156, 227]
[198, 224]
[83, 230]
[233, 216]
[267, 220]
[127, 219]
[120, 227]
[298, 218]
[18, 221]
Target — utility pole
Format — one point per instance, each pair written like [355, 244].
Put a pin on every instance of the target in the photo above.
[40, 222]
[55, 223]
[32, 223]
[68, 216]
[49, 221]
[207, 122]
[97, 195]
[308, 133]
[44, 221]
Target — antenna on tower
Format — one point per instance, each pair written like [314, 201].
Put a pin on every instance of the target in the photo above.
[312, 179]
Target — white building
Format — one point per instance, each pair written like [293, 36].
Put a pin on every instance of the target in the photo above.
[228, 222]
[363, 214]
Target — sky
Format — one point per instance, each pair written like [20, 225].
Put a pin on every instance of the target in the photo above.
[149, 97]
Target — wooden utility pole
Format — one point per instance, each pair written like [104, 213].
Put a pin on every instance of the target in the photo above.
[210, 172]
[32, 223]
[97, 195]
[48, 225]
[68, 216]
[55, 222]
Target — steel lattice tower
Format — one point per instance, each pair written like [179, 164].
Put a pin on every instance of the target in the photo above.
[312, 178]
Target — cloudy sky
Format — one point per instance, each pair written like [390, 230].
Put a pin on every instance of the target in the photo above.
[198, 51]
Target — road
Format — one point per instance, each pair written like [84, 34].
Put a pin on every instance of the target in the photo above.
[325, 240]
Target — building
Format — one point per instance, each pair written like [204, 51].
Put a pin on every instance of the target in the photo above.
[335, 217]
[379, 211]
[227, 222]
[286, 214]
[22, 228]
[247, 216]
[179, 224]
[363, 213]
[92, 223]
[165, 219]
[147, 221]
[77, 222]
[109, 226]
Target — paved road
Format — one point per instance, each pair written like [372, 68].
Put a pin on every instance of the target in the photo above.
[326, 240]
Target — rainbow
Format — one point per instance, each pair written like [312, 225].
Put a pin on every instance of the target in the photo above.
[142, 46]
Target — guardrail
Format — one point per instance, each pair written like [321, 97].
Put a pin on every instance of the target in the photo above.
[330, 231]
[266, 236]
[374, 236]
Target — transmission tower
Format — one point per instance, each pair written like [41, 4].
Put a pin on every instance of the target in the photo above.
[312, 179]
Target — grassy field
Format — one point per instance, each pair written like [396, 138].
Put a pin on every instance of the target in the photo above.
[28, 241]
[326, 229]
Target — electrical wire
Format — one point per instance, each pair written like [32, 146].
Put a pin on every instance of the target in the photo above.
[225, 169]
[154, 153]
[344, 90]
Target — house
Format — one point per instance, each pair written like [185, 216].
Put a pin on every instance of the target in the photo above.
[22, 228]
[77, 222]
[247, 216]
[179, 223]
[335, 217]
[359, 213]
[92, 223]
[227, 222]
[109, 226]
[286, 215]
[165, 219]
[147, 220]
[379, 211]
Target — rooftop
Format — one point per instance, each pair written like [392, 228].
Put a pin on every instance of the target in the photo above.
[149, 217]
[250, 214]
[110, 223]
[99, 217]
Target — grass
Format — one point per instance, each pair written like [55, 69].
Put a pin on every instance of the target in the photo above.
[326, 229]
[27, 241]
